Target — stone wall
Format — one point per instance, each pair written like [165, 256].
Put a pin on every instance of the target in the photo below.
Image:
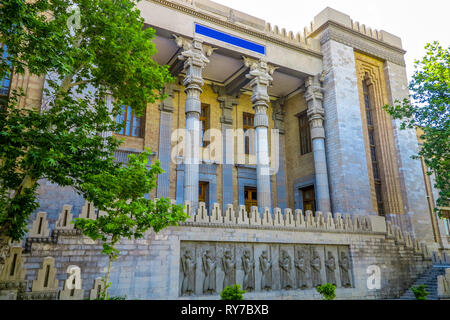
[150, 268]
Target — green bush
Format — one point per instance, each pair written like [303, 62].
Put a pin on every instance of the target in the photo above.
[327, 291]
[419, 292]
[233, 292]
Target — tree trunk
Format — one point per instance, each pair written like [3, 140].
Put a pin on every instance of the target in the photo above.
[110, 260]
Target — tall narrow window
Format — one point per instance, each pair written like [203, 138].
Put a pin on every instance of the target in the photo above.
[249, 122]
[132, 125]
[204, 119]
[373, 149]
[5, 82]
[304, 133]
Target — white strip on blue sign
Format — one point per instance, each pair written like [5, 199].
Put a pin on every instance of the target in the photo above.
[224, 37]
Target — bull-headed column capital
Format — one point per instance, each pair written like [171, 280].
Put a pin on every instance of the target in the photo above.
[260, 76]
[314, 98]
[227, 102]
[278, 114]
[195, 56]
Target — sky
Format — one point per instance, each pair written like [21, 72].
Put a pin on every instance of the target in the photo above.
[416, 22]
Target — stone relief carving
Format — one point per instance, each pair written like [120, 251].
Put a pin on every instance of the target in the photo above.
[301, 270]
[316, 267]
[285, 270]
[248, 265]
[209, 267]
[188, 268]
[330, 267]
[297, 266]
[265, 265]
[344, 266]
[229, 267]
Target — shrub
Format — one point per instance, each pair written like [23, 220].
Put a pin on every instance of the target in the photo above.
[419, 292]
[327, 291]
[233, 292]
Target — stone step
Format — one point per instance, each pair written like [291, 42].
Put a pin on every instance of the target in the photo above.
[429, 279]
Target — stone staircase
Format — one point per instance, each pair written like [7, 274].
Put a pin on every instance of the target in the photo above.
[429, 279]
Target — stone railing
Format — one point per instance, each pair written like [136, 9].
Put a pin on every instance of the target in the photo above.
[13, 285]
[444, 286]
[294, 220]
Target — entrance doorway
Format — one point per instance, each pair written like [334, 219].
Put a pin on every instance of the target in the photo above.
[309, 198]
[250, 197]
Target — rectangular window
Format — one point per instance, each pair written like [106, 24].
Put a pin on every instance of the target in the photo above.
[204, 120]
[6, 81]
[132, 125]
[305, 133]
[249, 123]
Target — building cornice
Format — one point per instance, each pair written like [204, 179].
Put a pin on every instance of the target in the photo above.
[331, 30]
[254, 33]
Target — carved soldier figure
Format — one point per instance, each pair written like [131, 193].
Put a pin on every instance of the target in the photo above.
[316, 266]
[188, 269]
[209, 266]
[301, 269]
[248, 264]
[265, 266]
[228, 266]
[285, 270]
[344, 266]
[330, 267]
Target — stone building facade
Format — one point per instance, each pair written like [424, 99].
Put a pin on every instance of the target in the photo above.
[342, 201]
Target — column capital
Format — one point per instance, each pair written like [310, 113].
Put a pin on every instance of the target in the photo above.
[260, 76]
[314, 98]
[260, 71]
[227, 102]
[278, 114]
[314, 90]
[169, 90]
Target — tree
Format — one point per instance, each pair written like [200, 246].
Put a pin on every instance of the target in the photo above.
[128, 213]
[429, 110]
[88, 50]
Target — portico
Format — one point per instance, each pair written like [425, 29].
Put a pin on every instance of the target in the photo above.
[236, 66]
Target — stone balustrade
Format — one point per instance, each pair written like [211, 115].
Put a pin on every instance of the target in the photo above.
[287, 219]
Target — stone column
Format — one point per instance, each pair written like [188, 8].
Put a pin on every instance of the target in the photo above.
[194, 55]
[314, 98]
[278, 118]
[165, 131]
[261, 77]
[227, 103]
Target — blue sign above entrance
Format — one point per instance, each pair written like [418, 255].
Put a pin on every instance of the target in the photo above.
[224, 37]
